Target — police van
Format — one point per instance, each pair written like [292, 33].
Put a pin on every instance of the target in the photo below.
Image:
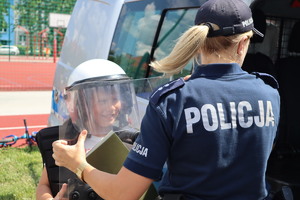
[132, 33]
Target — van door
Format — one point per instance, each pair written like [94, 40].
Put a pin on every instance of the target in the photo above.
[279, 55]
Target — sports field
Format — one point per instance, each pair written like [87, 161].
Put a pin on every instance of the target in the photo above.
[21, 74]
[20, 77]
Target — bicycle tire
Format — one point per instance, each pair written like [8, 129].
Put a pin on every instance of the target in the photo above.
[7, 140]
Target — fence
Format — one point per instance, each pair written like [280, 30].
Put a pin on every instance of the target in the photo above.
[31, 37]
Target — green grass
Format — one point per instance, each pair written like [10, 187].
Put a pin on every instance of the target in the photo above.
[20, 170]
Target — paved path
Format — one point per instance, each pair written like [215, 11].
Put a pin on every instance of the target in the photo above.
[25, 102]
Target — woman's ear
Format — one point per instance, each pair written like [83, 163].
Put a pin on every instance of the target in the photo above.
[243, 46]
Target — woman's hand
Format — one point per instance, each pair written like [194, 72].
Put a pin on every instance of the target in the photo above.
[70, 156]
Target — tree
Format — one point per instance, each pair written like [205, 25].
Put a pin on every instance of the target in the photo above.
[4, 6]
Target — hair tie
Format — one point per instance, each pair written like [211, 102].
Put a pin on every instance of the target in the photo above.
[209, 25]
[210, 28]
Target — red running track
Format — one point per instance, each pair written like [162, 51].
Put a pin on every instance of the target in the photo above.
[16, 76]
[14, 125]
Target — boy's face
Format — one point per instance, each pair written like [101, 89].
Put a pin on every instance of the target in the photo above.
[106, 107]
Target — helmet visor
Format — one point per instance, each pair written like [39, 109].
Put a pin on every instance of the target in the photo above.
[102, 106]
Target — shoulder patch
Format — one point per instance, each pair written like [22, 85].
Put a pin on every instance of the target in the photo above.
[155, 96]
[267, 78]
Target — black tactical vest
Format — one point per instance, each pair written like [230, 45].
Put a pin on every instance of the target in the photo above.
[57, 175]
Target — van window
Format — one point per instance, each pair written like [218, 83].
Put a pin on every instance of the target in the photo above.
[148, 34]
[175, 23]
[275, 42]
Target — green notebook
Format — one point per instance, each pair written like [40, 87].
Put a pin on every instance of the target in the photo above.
[109, 155]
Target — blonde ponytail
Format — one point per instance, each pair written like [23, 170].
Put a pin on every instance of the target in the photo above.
[186, 48]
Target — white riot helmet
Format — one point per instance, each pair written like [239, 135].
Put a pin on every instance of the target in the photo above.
[96, 68]
[100, 97]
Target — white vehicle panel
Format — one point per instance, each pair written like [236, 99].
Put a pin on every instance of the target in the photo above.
[90, 19]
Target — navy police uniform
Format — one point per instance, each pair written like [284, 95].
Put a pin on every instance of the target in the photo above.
[214, 131]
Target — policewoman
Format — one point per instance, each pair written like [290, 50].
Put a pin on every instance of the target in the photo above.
[214, 130]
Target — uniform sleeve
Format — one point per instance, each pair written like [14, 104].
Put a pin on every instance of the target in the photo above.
[150, 151]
